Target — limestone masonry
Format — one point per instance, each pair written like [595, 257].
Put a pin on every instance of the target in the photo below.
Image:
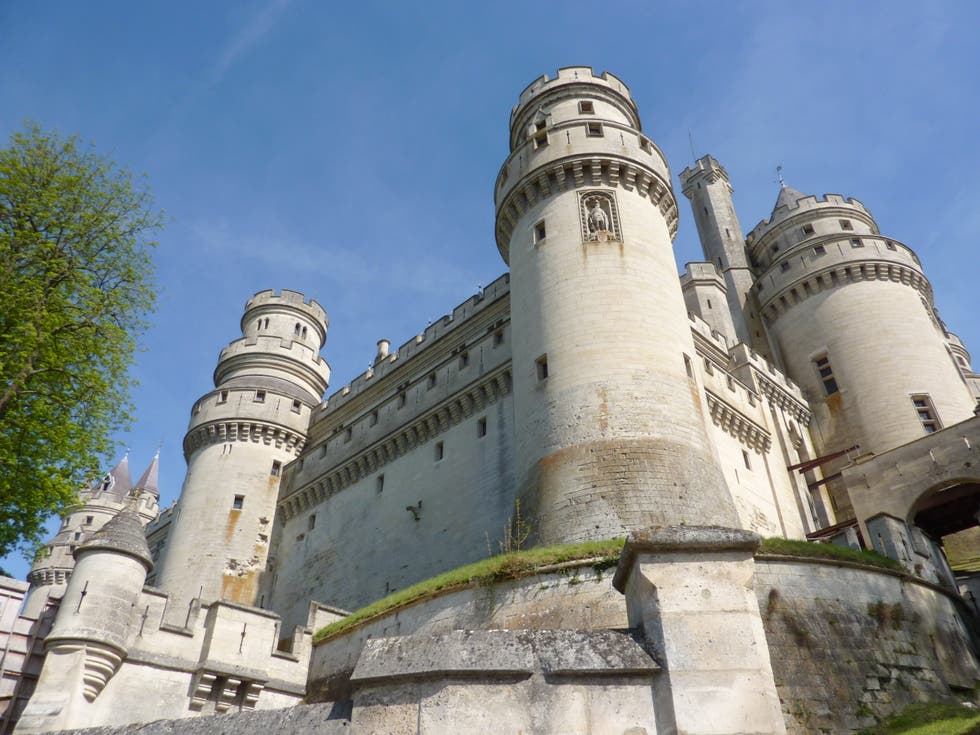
[799, 384]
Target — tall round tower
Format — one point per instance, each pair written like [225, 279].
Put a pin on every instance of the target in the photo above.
[610, 432]
[240, 436]
[853, 316]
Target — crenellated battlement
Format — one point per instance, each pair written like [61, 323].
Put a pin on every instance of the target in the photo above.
[566, 76]
[287, 298]
[811, 203]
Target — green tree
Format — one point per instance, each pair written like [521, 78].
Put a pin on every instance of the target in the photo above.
[76, 287]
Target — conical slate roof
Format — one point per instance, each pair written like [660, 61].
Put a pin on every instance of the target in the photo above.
[788, 196]
[150, 479]
[123, 534]
[118, 479]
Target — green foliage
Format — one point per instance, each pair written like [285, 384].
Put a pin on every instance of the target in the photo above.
[77, 288]
[930, 719]
[513, 565]
[790, 547]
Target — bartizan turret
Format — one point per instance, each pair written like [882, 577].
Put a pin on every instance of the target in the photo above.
[609, 428]
[97, 505]
[853, 315]
[240, 437]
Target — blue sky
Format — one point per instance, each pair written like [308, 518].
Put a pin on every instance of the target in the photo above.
[349, 150]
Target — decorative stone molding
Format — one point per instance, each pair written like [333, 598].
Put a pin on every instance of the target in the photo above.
[850, 272]
[781, 399]
[225, 691]
[428, 425]
[599, 216]
[570, 174]
[737, 424]
[219, 432]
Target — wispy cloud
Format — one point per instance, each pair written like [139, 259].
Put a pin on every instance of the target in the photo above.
[251, 33]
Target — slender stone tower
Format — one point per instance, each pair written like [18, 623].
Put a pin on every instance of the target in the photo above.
[853, 315]
[707, 185]
[240, 436]
[610, 432]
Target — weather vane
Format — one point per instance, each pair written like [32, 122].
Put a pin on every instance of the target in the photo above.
[779, 175]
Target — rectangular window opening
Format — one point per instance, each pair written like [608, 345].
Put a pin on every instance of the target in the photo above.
[276, 468]
[348, 434]
[807, 229]
[845, 224]
[746, 460]
[498, 337]
[927, 413]
[594, 130]
[648, 148]
[311, 522]
[238, 502]
[785, 266]
[401, 399]
[541, 367]
[820, 250]
[297, 406]
[431, 381]
[481, 426]
[374, 418]
[539, 232]
[440, 451]
[688, 368]
[890, 245]
[856, 243]
[223, 397]
[260, 396]
[88, 520]
[586, 108]
[464, 359]
[379, 484]
[826, 375]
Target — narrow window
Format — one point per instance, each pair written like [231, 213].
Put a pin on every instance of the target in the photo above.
[223, 397]
[260, 396]
[845, 224]
[296, 406]
[594, 130]
[727, 233]
[820, 250]
[745, 459]
[890, 245]
[323, 449]
[401, 399]
[311, 522]
[688, 368]
[540, 135]
[707, 367]
[88, 520]
[826, 374]
[296, 329]
[431, 382]
[304, 333]
[348, 434]
[856, 243]
[238, 502]
[498, 337]
[586, 108]
[440, 451]
[464, 359]
[539, 232]
[541, 365]
[927, 413]
[379, 484]
[645, 145]
[785, 266]
[276, 468]
[374, 418]
[78, 535]
[709, 303]
[807, 229]
[481, 426]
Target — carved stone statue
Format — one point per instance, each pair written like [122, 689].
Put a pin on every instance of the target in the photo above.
[598, 221]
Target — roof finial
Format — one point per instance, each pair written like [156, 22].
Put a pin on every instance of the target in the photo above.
[779, 175]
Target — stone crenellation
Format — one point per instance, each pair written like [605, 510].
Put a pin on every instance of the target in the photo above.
[812, 394]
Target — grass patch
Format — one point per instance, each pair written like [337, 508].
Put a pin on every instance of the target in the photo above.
[930, 719]
[514, 565]
[809, 549]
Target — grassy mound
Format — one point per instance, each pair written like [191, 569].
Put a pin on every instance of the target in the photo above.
[930, 719]
[514, 565]
[809, 549]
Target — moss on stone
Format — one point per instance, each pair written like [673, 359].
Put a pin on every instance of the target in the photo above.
[809, 549]
[515, 565]
[930, 719]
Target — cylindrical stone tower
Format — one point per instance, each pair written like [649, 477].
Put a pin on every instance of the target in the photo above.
[240, 436]
[609, 428]
[853, 316]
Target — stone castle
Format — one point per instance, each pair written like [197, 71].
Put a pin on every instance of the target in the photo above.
[797, 384]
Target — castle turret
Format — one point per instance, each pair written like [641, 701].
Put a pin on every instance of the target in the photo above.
[93, 626]
[707, 185]
[240, 437]
[853, 316]
[97, 505]
[609, 427]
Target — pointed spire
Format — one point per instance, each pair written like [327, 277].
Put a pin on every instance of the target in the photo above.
[150, 479]
[788, 196]
[117, 481]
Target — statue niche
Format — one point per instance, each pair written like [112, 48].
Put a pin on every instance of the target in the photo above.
[600, 220]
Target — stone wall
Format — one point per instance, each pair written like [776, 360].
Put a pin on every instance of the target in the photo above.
[849, 643]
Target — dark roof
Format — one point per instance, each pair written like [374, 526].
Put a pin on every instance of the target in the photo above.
[123, 534]
[788, 196]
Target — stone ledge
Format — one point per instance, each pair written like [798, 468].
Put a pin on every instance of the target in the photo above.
[675, 539]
